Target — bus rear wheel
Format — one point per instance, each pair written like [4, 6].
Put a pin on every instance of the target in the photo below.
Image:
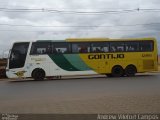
[117, 71]
[109, 75]
[38, 74]
[130, 70]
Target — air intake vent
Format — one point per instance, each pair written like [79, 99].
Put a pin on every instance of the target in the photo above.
[148, 64]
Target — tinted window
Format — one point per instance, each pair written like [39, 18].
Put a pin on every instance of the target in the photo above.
[41, 48]
[131, 46]
[146, 46]
[60, 47]
[80, 47]
[100, 47]
[117, 46]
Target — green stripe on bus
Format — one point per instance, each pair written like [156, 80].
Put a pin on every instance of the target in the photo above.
[62, 62]
[76, 61]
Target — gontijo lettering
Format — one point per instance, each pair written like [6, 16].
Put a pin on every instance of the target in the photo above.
[106, 56]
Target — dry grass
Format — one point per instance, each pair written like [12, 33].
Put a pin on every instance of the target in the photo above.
[158, 63]
[3, 63]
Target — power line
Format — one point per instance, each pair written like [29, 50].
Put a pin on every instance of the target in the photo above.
[59, 11]
[76, 12]
[78, 26]
[77, 30]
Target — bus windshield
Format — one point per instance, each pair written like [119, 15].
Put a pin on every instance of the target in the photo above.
[18, 55]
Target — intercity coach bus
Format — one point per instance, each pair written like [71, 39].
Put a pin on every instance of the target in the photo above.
[82, 56]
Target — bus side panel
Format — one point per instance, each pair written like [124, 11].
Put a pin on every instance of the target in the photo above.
[68, 64]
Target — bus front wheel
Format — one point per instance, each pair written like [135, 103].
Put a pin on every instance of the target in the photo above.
[130, 70]
[38, 74]
[117, 71]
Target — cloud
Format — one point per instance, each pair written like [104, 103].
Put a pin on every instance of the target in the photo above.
[9, 34]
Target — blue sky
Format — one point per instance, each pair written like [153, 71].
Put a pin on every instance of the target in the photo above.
[23, 20]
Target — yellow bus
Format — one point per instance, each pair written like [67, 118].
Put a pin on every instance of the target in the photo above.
[82, 56]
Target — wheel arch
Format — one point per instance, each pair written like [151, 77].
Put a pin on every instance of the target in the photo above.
[117, 65]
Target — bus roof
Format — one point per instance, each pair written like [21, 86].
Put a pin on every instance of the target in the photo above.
[95, 39]
[50, 41]
[86, 39]
[105, 39]
[151, 38]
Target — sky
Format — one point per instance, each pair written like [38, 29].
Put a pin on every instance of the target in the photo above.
[31, 20]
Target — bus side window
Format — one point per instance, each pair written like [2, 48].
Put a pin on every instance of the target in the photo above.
[60, 47]
[83, 49]
[97, 50]
[59, 51]
[146, 46]
[113, 49]
[99, 47]
[74, 48]
[120, 49]
[80, 47]
[117, 46]
[40, 48]
[54, 50]
[131, 46]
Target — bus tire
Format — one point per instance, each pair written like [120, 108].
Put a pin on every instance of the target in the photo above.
[117, 71]
[130, 70]
[38, 74]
